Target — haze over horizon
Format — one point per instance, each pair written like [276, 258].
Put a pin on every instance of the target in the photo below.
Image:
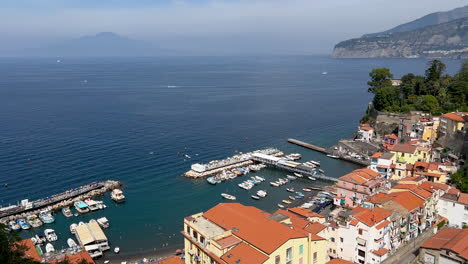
[205, 27]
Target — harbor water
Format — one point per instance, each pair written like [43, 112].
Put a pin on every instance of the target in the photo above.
[138, 120]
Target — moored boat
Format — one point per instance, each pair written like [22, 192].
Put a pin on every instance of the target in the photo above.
[332, 156]
[262, 193]
[73, 228]
[280, 206]
[322, 171]
[67, 212]
[290, 190]
[118, 196]
[71, 243]
[116, 250]
[275, 184]
[34, 221]
[81, 207]
[228, 196]
[50, 235]
[307, 190]
[103, 222]
[14, 226]
[49, 248]
[292, 198]
[24, 225]
[255, 197]
[290, 177]
[46, 216]
[298, 175]
[286, 201]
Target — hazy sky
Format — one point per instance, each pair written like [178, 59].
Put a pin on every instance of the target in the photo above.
[210, 26]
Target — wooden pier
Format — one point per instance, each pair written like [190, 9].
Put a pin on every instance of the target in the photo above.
[307, 145]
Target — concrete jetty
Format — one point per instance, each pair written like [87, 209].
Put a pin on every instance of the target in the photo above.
[307, 145]
[57, 201]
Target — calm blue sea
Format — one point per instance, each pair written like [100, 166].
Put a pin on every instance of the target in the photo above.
[83, 120]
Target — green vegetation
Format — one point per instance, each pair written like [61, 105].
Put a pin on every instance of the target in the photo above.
[434, 93]
[440, 225]
[460, 179]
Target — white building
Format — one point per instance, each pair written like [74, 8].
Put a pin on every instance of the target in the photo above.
[365, 133]
[454, 207]
[92, 238]
[382, 163]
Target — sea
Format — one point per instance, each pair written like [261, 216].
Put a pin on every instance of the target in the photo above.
[67, 122]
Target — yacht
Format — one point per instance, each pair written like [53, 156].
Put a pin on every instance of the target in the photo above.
[50, 235]
[71, 243]
[93, 205]
[34, 221]
[81, 207]
[103, 222]
[262, 193]
[117, 195]
[291, 190]
[274, 184]
[228, 196]
[49, 248]
[24, 225]
[46, 216]
[67, 212]
[73, 228]
[14, 226]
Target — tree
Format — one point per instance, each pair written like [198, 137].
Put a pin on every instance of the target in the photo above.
[379, 78]
[434, 70]
[460, 179]
[11, 253]
[387, 98]
[429, 104]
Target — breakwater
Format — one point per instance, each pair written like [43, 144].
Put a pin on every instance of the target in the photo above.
[57, 201]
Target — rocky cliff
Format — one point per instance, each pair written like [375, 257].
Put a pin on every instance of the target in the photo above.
[448, 40]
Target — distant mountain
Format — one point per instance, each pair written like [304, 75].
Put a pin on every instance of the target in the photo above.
[449, 40]
[428, 20]
[103, 44]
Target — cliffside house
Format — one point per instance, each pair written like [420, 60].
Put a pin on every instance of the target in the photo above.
[449, 246]
[454, 207]
[452, 122]
[365, 133]
[382, 162]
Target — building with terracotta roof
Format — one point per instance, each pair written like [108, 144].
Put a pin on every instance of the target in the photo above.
[390, 140]
[450, 123]
[356, 186]
[31, 252]
[365, 133]
[449, 246]
[171, 260]
[454, 207]
[382, 163]
[410, 153]
[234, 233]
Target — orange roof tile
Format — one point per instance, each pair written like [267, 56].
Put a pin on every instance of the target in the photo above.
[408, 200]
[383, 224]
[455, 117]
[452, 239]
[339, 261]
[434, 165]
[29, 249]
[463, 198]
[228, 241]
[378, 198]
[376, 155]
[453, 190]
[380, 251]
[244, 253]
[370, 217]
[354, 222]
[305, 212]
[302, 225]
[171, 260]
[315, 228]
[251, 225]
[432, 186]
[431, 174]
[405, 186]
[360, 176]
[422, 193]
[404, 148]
[413, 179]
[421, 164]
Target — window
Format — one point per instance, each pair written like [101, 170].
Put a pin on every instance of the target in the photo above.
[361, 253]
[332, 239]
[341, 239]
[341, 249]
[289, 256]
[300, 261]
[301, 249]
[277, 260]
[202, 239]
[195, 235]
[188, 230]
[360, 231]
[315, 257]
[334, 251]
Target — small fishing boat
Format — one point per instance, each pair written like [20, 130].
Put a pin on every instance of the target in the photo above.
[81, 223]
[286, 201]
[49, 248]
[93, 205]
[312, 178]
[116, 250]
[307, 190]
[228, 196]
[322, 171]
[298, 175]
[332, 156]
[290, 177]
[213, 180]
[14, 226]
[275, 184]
[280, 206]
[316, 163]
[71, 243]
[67, 212]
[259, 178]
[46, 216]
[292, 198]
[50, 235]
[299, 196]
[290, 190]
[73, 228]
[39, 239]
[255, 197]
[103, 222]
[262, 193]
[24, 225]
[34, 221]
[118, 196]
[81, 207]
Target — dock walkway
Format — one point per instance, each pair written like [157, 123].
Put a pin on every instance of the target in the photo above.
[307, 145]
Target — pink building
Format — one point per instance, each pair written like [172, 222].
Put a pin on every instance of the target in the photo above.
[354, 187]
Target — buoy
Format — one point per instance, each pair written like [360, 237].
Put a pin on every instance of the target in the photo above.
[5, 185]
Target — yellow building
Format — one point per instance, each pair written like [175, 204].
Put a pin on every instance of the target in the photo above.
[231, 233]
[409, 154]
[430, 130]
[452, 122]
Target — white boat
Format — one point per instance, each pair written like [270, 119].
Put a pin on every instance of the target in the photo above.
[274, 184]
[103, 222]
[332, 156]
[46, 216]
[39, 239]
[67, 212]
[311, 178]
[73, 228]
[262, 193]
[118, 196]
[324, 73]
[49, 248]
[280, 206]
[81, 206]
[255, 197]
[116, 250]
[317, 163]
[93, 205]
[34, 221]
[298, 175]
[71, 243]
[322, 171]
[50, 235]
[228, 196]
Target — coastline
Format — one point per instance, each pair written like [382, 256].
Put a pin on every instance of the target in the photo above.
[137, 257]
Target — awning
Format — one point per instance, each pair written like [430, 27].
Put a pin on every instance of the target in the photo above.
[361, 242]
